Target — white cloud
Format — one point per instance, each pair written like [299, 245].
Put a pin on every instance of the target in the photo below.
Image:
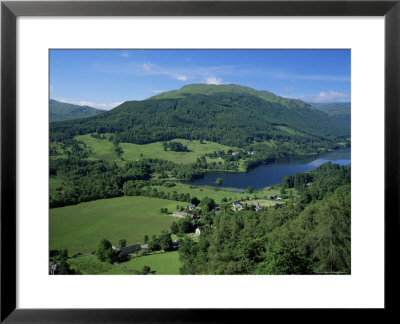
[197, 73]
[157, 91]
[103, 106]
[125, 54]
[213, 80]
[51, 88]
[326, 96]
[181, 77]
[148, 66]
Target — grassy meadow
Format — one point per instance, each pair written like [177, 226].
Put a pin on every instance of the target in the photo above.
[217, 193]
[165, 263]
[79, 228]
[91, 265]
[104, 149]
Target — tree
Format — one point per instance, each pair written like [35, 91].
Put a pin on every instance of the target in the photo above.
[146, 269]
[122, 242]
[146, 239]
[64, 253]
[122, 257]
[250, 189]
[218, 181]
[154, 244]
[287, 181]
[195, 201]
[184, 225]
[284, 261]
[207, 204]
[174, 228]
[165, 241]
[104, 251]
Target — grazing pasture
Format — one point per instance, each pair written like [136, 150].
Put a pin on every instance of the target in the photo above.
[166, 263]
[91, 265]
[79, 228]
[104, 149]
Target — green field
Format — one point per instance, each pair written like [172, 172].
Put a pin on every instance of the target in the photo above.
[160, 263]
[104, 149]
[90, 265]
[165, 263]
[205, 191]
[79, 228]
[217, 193]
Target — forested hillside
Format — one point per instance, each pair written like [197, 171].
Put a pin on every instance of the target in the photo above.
[229, 117]
[65, 111]
[340, 111]
[309, 234]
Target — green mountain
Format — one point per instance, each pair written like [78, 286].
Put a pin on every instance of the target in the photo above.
[228, 114]
[65, 111]
[338, 110]
[210, 89]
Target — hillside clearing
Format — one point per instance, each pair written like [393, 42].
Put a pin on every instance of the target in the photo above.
[104, 149]
[79, 228]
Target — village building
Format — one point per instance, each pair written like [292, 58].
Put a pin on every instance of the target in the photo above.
[53, 268]
[194, 216]
[197, 232]
[179, 214]
[128, 249]
[257, 208]
[274, 197]
[237, 205]
[191, 207]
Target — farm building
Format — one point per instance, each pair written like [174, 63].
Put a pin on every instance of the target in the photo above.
[274, 197]
[191, 207]
[237, 205]
[179, 214]
[128, 249]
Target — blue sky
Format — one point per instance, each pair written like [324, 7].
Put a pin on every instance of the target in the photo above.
[106, 78]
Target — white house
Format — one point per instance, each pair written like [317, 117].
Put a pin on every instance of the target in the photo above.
[197, 231]
[237, 205]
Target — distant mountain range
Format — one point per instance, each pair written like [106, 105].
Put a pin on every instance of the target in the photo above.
[228, 114]
[64, 111]
[338, 110]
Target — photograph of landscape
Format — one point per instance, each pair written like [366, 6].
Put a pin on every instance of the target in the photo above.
[199, 162]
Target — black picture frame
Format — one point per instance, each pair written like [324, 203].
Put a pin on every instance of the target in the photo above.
[10, 10]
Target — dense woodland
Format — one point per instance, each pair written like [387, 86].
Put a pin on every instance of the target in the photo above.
[234, 119]
[311, 234]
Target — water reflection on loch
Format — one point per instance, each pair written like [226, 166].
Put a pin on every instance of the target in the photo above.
[266, 175]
